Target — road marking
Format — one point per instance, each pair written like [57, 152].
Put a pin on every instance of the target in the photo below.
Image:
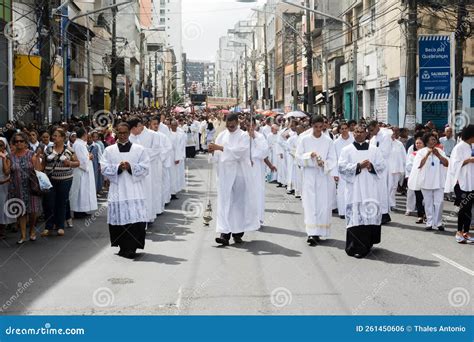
[180, 296]
[455, 264]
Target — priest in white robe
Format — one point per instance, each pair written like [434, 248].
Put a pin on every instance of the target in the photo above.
[237, 211]
[179, 156]
[167, 160]
[82, 197]
[382, 139]
[281, 150]
[344, 139]
[360, 165]
[126, 165]
[150, 141]
[317, 156]
[272, 140]
[259, 149]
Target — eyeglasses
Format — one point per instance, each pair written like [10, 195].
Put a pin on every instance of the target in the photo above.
[18, 141]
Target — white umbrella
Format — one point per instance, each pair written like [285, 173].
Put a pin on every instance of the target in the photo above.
[296, 114]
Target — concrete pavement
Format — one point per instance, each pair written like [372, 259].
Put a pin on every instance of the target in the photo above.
[182, 270]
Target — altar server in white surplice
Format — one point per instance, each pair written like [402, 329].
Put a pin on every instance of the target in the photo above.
[360, 165]
[82, 197]
[317, 156]
[382, 139]
[126, 165]
[150, 141]
[345, 139]
[236, 193]
[272, 140]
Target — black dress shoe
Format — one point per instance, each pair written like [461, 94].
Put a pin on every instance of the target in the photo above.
[280, 185]
[130, 254]
[174, 197]
[313, 240]
[222, 241]
[441, 228]
[121, 253]
[237, 239]
[342, 217]
[386, 219]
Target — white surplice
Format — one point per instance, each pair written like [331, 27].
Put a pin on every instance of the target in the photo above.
[339, 144]
[179, 155]
[150, 141]
[236, 193]
[383, 141]
[292, 164]
[127, 192]
[281, 164]
[259, 153]
[396, 169]
[457, 173]
[82, 197]
[363, 207]
[316, 183]
[272, 156]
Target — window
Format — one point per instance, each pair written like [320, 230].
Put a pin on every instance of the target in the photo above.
[162, 20]
[162, 12]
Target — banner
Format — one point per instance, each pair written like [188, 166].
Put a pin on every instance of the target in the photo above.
[221, 101]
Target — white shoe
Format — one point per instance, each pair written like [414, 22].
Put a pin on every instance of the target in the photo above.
[460, 238]
[69, 223]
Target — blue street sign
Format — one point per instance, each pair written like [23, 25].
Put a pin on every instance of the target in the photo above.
[434, 68]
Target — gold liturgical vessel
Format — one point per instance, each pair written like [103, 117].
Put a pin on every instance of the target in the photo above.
[208, 214]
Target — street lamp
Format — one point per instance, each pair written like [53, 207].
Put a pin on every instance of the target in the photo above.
[354, 52]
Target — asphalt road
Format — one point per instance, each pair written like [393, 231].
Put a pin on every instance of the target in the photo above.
[182, 270]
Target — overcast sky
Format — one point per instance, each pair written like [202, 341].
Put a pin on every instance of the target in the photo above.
[205, 21]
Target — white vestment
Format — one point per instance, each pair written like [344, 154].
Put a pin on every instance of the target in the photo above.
[127, 193]
[316, 183]
[383, 140]
[236, 193]
[82, 197]
[396, 169]
[179, 155]
[362, 198]
[272, 156]
[292, 164]
[339, 144]
[281, 165]
[150, 141]
[259, 153]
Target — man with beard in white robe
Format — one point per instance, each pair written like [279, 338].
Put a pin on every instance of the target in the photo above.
[126, 165]
[398, 159]
[150, 141]
[317, 156]
[344, 140]
[82, 197]
[272, 140]
[360, 164]
[236, 193]
[179, 155]
[382, 139]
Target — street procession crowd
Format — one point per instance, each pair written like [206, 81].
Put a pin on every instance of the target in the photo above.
[55, 174]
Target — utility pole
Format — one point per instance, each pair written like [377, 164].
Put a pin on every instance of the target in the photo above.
[156, 79]
[462, 23]
[326, 71]
[246, 79]
[113, 58]
[45, 35]
[295, 69]
[412, 39]
[237, 81]
[283, 64]
[266, 93]
[88, 88]
[309, 60]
